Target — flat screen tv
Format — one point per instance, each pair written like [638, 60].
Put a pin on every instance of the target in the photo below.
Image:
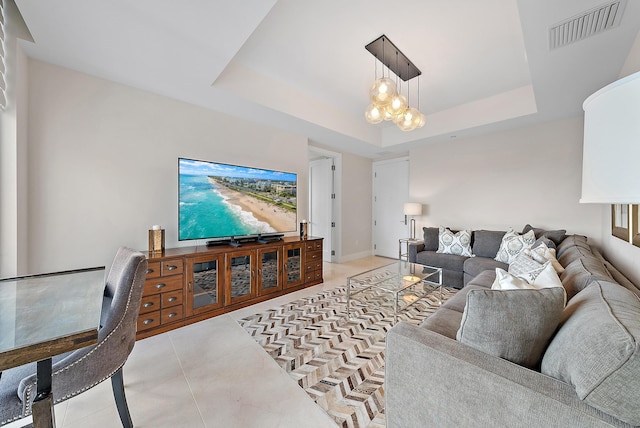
[220, 201]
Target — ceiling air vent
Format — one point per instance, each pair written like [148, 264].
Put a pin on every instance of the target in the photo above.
[586, 24]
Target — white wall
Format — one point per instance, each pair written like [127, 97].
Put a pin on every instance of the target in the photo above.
[103, 163]
[13, 149]
[508, 179]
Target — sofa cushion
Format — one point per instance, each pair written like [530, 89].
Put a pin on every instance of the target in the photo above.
[573, 253]
[581, 272]
[458, 243]
[515, 325]
[475, 265]
[444, 321]
[484, 279]
[557, 236]
[457, 302]
[597, 349]
[512, 244]
[571, 241]
[444, 261]
[430, 236]
[486, 243]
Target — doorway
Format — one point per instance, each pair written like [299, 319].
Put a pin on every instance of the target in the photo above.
[390, 192]
[323, 176]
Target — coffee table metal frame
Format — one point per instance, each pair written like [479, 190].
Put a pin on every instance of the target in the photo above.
[402, 283]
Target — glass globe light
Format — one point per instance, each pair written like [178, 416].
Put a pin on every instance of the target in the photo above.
[387, 115]
[397, 119]
[406, 121]
[374, 114]
[382, 91]
[422, 120]
[397, 105]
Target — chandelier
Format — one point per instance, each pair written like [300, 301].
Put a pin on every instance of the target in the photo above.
[387, 100]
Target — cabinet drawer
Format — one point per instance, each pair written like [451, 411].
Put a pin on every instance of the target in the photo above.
[171, 314]
[158, 285]
[314, 245]
[172, 298]
[172, 267]
[313, 256]
[150, 303]
[319, 274]
[150, 320]
[310, 276]
[310, 267]
[153, 270]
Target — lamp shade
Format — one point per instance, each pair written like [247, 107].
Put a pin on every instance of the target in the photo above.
[412, 208]
[611, 149]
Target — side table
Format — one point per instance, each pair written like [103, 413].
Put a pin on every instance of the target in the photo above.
[403, 247]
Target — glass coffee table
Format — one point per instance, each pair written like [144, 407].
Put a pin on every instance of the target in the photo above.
[393, 287]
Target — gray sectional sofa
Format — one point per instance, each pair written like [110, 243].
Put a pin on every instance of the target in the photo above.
[588, 374]
[457, 271]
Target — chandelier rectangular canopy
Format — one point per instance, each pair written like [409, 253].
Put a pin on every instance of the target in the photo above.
[392, 57]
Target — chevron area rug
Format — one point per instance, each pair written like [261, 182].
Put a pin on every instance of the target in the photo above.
[339, 362]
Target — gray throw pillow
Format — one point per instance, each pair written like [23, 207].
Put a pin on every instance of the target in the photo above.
[430, 238]
[557, 236]
[515, 324]
[486, 243]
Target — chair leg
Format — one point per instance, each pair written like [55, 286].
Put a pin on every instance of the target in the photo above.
[117, 384]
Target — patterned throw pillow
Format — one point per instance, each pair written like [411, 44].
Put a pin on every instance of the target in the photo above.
[513, 244]
[543, 253]
[458, 243]
[527, 267]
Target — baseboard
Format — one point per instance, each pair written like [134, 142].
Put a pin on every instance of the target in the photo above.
[355, 256]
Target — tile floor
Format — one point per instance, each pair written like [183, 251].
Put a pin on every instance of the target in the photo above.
[208, 374]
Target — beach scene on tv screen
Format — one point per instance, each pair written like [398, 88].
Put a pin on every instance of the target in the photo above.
[220, 200]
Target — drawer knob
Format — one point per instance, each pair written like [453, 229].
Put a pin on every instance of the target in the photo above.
[161, 285]
[147, 321]
[172, 267]
[150, 271]
[147, 305]
[172, 314]
[172, 299]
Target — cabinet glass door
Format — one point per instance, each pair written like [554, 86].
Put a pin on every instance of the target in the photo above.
[269, 271]
[241, 284]
[293, 263]
[204, 284]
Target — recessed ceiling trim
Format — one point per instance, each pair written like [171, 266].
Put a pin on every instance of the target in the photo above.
[586, 24]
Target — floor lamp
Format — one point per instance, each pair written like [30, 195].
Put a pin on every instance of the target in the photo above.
[412, 209]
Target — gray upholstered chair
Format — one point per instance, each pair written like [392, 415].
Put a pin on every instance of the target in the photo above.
[80, 370]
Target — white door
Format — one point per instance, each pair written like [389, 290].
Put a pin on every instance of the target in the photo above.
[320, 203]
[390, 192]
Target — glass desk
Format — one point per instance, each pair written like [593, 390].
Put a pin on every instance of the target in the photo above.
[395, 286]
[46, 315]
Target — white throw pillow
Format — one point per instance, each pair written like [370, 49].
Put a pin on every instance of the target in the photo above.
[458, 243]
[547, 278]
[548, 254]
[513, 244]
[506, 281]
